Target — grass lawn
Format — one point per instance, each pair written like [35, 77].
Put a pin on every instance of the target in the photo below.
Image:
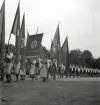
[51, 93]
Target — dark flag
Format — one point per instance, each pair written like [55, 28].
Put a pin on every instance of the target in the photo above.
[34, 45]
[27, 43]
[65, 53]
[52, 53]
[2, 32]
[42, 54]
[16, 31]
[56, 46]
[22, 33]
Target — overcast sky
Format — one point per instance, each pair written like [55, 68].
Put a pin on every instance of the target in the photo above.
[80, 19]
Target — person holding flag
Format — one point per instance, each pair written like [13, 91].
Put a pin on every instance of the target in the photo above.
[54, 69]
[9, 64]
[22, 50]
[16, 31]
[2, 38]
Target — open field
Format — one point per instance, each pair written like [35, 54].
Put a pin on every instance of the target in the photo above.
[58, 92]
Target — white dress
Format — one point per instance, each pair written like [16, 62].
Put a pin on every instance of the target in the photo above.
[43, 72]
[17, 68]
[9, 65]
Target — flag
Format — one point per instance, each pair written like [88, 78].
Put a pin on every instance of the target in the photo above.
[16, 31]
[34, 45]
[56, 46]
[65, 53]
[43, 53]
[51, 51]
[22, 34]
[2, 32]
[27, 43]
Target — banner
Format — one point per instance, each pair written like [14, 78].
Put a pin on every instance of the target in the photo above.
[55, 46]
[23, 53]
[34, 45]
[65, 52]
[16, 31]
[2, 32]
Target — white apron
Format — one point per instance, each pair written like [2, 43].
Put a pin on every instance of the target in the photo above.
[43, 72]
[22, 72]
[17, 68]
[8, 68]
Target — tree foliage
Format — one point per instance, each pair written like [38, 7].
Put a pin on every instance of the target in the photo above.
[84, 58]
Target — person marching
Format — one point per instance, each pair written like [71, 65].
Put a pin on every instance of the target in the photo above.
[17, 69]
[50, 69]
[43, 71]
[2, 71]
[54, 69]
[62, 69]
[37, 68]
[22, 74]
[9, 64]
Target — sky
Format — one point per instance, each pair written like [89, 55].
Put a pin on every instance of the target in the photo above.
[79, 19]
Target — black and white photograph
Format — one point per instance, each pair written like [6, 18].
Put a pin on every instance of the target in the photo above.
[49, 52]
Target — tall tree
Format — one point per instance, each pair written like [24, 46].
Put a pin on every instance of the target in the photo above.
[88, 58]
[75, 56]
[98, 63]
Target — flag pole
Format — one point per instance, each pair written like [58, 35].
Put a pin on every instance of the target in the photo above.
[37, 30]
[10, 32]
[67, 56]
[9, 38]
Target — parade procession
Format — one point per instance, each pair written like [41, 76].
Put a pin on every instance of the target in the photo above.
[49, 52]
[28, 60]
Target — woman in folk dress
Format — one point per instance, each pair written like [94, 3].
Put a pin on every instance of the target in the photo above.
[43, 72]
[9, 58]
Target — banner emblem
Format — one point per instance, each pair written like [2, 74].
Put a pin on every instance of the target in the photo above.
[34, 44]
